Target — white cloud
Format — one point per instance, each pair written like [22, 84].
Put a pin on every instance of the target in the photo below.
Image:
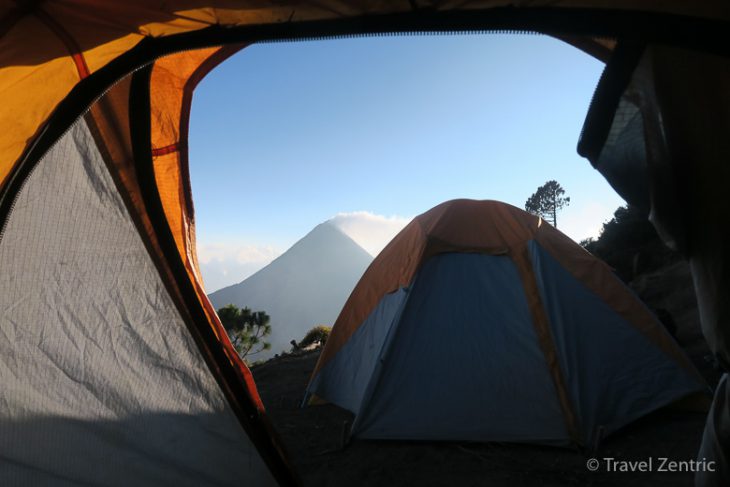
[372, 232]
[585, 221]
[226, 263]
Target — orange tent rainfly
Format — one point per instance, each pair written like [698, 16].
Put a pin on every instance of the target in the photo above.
[114, 366]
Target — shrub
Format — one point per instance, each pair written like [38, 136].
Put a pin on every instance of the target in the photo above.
[317, 335]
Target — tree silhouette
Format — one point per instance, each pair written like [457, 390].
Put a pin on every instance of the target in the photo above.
[246, 329]
[547, 201]
[630, 245]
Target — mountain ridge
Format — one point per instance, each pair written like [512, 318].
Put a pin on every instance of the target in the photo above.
[305, 286]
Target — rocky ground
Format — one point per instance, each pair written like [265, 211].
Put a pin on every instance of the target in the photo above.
[314, 436]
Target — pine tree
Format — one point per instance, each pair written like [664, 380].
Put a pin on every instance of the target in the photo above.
[246, 329]
[547, 201]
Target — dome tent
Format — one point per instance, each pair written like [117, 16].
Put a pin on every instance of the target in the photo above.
[481, 322]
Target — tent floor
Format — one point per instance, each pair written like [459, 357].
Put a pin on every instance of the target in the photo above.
[313, 436]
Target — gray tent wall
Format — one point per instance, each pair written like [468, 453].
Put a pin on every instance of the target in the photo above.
[344, 381]
[102, 382]
[465, 338]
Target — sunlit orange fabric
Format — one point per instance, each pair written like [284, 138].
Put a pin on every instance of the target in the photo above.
[172, 81]
[168, 113]
[38, 68]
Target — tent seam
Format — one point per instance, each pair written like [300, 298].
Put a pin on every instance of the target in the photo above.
[71, 45]
[541, 324]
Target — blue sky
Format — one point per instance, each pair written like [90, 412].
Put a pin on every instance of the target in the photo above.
[284, 136]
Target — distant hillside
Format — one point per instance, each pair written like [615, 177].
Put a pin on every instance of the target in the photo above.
[305, 286]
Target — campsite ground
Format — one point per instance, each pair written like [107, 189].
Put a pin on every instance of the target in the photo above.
[313, 435]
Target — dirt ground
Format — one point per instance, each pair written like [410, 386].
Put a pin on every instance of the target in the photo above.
[314, 435]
